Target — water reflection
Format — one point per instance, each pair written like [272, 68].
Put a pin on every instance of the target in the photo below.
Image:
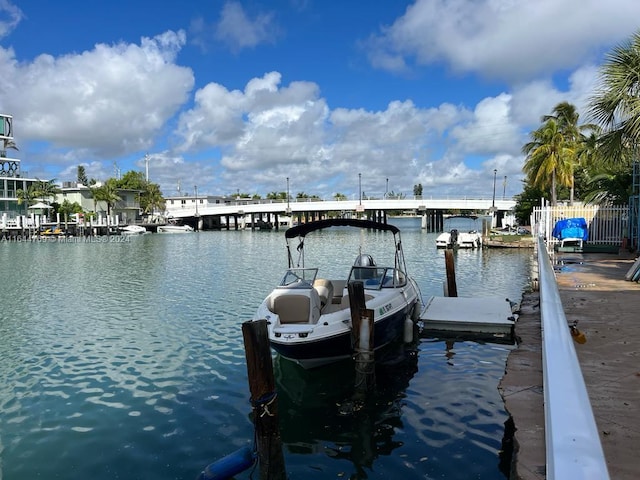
[320, 412]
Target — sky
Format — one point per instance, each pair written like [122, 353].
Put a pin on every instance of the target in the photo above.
[220, 97]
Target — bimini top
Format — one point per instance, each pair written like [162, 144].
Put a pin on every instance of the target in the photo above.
[302, 229]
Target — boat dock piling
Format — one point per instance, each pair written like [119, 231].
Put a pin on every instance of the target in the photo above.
[362, 338]
[451, 288]
[264, 400]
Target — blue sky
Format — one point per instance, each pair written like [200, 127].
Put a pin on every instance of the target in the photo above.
[239, 95]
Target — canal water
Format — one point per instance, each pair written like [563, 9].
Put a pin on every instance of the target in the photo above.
[125, 360]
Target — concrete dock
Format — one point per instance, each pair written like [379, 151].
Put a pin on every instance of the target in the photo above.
[593, 292]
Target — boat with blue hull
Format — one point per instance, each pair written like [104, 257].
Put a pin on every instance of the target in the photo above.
[309, 316]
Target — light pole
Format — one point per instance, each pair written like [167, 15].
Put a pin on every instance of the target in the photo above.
[288, 207]
[195, 190]
[493, 202]
[504, 188]
[386, 190]
[360, 187]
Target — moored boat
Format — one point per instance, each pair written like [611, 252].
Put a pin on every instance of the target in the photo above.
[133, 230]
[456, 239]
[309, 317]
[175, 229]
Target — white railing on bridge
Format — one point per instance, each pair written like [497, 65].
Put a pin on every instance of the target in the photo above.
[607, 225]
[573, 447]
[187, 207]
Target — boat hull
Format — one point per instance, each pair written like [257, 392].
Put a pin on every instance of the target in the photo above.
[323, 351]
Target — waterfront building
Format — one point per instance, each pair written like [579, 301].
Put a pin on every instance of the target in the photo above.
[127, 209]
[12, 177]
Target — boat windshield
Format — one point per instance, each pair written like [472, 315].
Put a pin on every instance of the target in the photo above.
[375, 278]
[299, 277]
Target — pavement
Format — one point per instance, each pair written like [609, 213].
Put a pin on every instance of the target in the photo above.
[593, 292]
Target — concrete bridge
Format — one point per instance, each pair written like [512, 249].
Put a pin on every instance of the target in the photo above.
[220, 212]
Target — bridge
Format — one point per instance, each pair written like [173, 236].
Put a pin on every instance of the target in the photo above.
[209, 211]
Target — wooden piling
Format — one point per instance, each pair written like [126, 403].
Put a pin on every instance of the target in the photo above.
[451, 288]
[362, 337]
[263, 399]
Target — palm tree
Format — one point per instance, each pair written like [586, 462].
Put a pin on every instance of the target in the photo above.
[566, 115]
[616, 105]
[107, 193]
[151, 199]
[549, 159]
[7, 143]
[26, 196]
[46, 189]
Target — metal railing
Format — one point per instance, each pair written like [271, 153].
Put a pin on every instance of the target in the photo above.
[607, 225]
[572, 441]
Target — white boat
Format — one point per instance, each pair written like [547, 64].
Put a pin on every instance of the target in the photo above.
[471, 239]
[309, 317]
[174, 229]
[456, 239]
[133, 230]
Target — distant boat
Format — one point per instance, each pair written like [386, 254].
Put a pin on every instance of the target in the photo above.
[174, 229]
[133, 230]
[456, 239]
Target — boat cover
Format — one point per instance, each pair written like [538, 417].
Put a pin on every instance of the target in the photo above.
[571, 228]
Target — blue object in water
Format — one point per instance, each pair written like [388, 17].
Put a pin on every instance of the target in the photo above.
[228, 466]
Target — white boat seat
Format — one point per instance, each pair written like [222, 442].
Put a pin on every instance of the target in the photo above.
[324, 288]
[296, 308]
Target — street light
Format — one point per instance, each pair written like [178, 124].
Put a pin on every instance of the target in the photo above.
[386, 190]
[493, 202]
[504, 188]
[195, 189]
[288, 207]
[360, 187]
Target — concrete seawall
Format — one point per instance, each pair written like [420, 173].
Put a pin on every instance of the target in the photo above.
[594, 293]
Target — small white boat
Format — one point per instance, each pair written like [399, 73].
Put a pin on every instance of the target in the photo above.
[470, 239]
[174, 229]
[133, 230]
[456, 239]
[309, 317]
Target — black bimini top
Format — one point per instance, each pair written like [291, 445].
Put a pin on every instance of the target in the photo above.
[302, 229]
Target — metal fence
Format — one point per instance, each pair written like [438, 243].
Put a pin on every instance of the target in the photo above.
[607, 225]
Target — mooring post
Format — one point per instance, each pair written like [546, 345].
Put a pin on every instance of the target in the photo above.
[451, 289]
[362, 337]
[264, 399]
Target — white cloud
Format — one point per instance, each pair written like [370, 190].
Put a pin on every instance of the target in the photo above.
[108, 101]
[506, 39]
[238, 31]
[10, 17]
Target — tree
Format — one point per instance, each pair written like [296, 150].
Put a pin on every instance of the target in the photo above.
[82, 175]
[549, 159]
[67, 208]
[45, 189]
[107, 193]
[7, 143]
[616, 105]
[417, 190]
[339, 196]
[26, 196]
[151, 199]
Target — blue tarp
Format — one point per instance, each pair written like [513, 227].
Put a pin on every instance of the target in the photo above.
[571, 228]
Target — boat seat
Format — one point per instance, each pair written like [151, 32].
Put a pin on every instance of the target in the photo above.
[324, 288]
[296, 308]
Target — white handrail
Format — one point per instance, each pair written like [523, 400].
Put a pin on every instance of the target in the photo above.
[572, 442]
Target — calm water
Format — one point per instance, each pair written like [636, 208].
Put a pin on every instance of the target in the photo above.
[125, 360]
